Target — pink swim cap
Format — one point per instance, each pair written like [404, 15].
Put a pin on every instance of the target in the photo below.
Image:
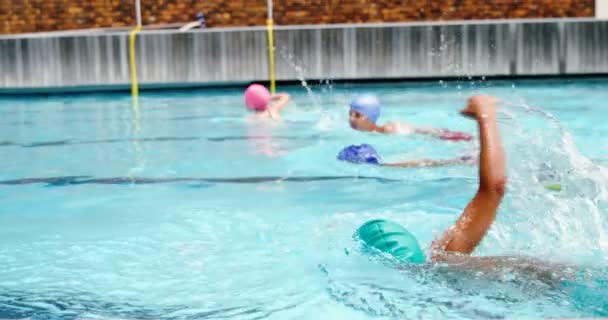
[257, 97]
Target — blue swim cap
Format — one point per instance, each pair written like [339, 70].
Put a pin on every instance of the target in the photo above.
[368, 105]
[391, 238]
[364, 153]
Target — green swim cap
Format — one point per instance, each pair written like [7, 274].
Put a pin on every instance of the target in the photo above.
[554, 187]
[391, 238]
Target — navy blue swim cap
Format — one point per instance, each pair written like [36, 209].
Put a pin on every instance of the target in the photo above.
[368, 105]
[364, 153]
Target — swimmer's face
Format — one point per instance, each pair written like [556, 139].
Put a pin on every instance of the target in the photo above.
[359, 121]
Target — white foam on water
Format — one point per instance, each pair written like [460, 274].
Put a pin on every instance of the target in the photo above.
[568, 224]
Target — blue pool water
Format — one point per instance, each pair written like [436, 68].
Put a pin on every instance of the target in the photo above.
[184, 209]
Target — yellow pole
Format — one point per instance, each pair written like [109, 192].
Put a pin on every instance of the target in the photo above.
[269, 28]
[134, 83]
[139, 161]
[133, 63]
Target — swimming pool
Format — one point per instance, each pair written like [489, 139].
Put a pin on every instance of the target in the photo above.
[183, 209]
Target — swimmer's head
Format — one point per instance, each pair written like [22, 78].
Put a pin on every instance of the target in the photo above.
[257, 97]
[391, 239]
[364, 112]
[364, 153]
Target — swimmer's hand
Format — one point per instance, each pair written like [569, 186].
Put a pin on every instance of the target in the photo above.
[282, 99]
[481, 107]
[279, 96]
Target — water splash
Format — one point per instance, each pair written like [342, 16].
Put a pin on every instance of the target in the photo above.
[300, 75]
[327, 120]
[568, 224]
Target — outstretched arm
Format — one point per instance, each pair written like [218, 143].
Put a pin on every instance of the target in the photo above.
[429, 163]
[480, 213]
[428, 131]
[443, 134]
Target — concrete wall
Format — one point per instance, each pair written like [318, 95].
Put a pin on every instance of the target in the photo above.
[497, 48]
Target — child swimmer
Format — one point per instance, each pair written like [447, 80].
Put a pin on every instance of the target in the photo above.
[365, 111]
[453, 250]
[265, 105]
[366, 154]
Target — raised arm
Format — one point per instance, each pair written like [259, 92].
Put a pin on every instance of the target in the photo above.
[480, 213]
[281, 100]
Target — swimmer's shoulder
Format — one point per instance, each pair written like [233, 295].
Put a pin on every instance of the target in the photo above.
[396, 127]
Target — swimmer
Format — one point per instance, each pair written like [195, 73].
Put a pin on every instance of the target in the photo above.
[366, 154]
[453, 250]
[365, 111]
[265, 105]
